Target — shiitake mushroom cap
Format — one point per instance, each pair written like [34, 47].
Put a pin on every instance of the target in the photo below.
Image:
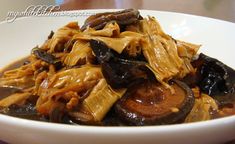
[122, 18]
[150, 103]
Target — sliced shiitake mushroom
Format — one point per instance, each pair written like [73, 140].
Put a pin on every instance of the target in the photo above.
[150, 103]
[123, 18]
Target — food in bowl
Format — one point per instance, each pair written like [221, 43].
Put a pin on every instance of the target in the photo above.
[117, 69]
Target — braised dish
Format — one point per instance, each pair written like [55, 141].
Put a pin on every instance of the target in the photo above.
[117, 69]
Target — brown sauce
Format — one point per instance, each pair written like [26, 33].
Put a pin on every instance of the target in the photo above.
[13, 65]
[6, 91]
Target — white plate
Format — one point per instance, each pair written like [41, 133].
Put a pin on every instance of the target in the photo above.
[216, 37]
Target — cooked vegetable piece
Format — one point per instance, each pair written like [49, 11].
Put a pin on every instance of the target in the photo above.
[19, 78]
[101, 99]
[150, 103]
[215, 79]
[227, 110]
[186, 49]
[203, 109]
[43, 55]
[117, 72]
[101, 51]
[80, 54]
[16, 98]
[163, 54]
[127, 41]
[50, 35]
[65, 87]
[57, 42]
[123, 18]
[111, 29]
[83, 116]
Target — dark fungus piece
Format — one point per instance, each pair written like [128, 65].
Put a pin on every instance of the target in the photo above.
[50, 35]
[102, 51]
[150, 103]
[47, 57]
[124, 17]
[118, 72]
[215, 79]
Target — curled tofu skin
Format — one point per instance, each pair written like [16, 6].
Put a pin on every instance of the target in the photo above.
[112, 37]
[203, 108]
[81, 53]
[105, 96]
[20, 82]
[77, 80]
[17, 98]
[22, 77]
[167, 58]
[61, 36]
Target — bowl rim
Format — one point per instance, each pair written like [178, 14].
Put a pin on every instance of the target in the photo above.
[20, 122]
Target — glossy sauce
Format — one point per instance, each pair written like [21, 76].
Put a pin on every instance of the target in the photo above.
[4, 92]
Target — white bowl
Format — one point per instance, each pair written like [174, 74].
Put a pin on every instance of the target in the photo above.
[216, 36]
